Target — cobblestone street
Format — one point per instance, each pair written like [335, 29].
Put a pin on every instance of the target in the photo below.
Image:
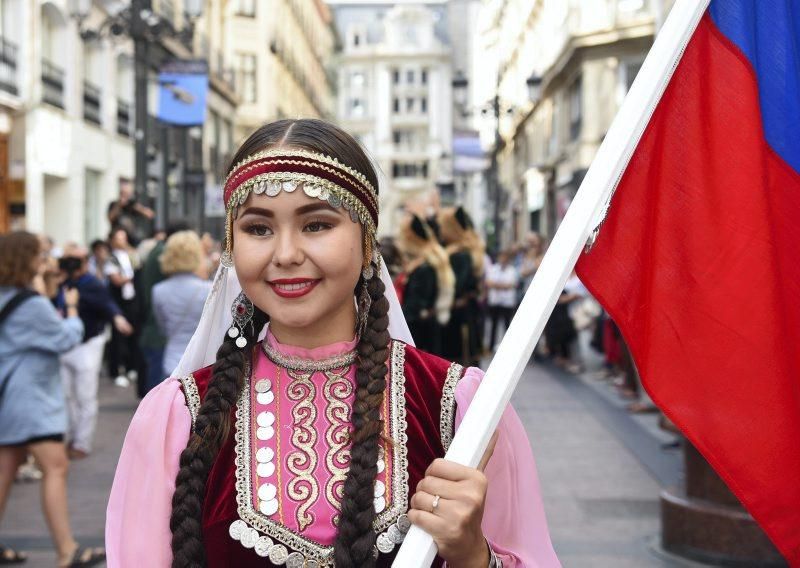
[600, 469]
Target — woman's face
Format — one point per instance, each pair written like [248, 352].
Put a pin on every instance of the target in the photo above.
[119, 240]
[298, 259]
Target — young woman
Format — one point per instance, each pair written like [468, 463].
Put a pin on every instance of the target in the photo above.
[428, 295]
[321, 443]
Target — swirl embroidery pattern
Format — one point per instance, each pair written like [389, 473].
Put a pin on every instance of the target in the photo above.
[302, 462]
[336, 390]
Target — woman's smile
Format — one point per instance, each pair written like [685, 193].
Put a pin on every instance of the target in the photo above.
[293, 287]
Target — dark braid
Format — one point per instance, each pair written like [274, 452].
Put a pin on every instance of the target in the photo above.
[210, 432]
[356, 537]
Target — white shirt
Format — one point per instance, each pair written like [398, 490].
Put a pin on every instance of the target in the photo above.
[497, 274]
[125, 268]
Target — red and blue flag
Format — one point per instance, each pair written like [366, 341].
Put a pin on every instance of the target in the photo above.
[698, 260]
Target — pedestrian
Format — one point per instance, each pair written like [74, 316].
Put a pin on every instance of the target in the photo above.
[125, 360]
[532, 259]
[129, 214]
[151, 341]
[322, 442]
[101, 253]
[430, 284]
[33, 416]
[502, 280]
[460, 341]
[178, 301]
[80, 366]
[560, 331]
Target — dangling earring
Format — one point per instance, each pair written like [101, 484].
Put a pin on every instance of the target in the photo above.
[226, 259]
[242, 312]
[364, 301]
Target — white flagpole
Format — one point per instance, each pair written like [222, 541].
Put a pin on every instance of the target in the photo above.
[584, 216]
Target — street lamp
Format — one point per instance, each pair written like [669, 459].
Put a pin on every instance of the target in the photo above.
[460, 83]
[144, 27]
[534, 84]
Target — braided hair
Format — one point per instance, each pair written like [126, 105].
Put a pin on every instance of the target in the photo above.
[355, 538]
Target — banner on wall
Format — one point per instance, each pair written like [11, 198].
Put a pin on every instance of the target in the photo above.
[182, 92]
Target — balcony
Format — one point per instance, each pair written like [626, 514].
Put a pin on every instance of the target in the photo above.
[8, 66]
[91, 103]
[124, 118]
[52, 84]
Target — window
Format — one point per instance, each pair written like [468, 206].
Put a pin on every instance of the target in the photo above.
[248, 77]
[409, 104]
[410, 170]
[395, 76]
[356, 107]
[424, 77]
[423, 104]
[575, 111]
[246, 8]
[356, 39]
[631, 70]
[410, 76]
[396, 105]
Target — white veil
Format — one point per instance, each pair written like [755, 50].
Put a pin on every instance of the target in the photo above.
[216, 319]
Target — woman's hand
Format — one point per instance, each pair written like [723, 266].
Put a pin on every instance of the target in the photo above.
[455, 521]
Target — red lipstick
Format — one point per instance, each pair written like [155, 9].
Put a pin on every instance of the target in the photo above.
[293, 287]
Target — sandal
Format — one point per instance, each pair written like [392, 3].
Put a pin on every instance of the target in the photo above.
[83, 557]
[10, 556]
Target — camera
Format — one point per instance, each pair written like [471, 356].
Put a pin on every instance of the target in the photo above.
[69, 264]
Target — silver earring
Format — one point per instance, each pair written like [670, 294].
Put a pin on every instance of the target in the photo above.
[242, 313]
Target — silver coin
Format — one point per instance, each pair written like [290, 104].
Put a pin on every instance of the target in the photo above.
[273, 188]
[265, 469]
[263, 544]
[334, 200]
[249, 537]
[380, 488]
[324, 194]
[264, 455]
[263, 385]
[233, 332]
[236, 528]
[312, 564]
[354, 216]
[380, 504]
[295, 560]
[384, 543]
[265, 397]
[395, 534]
[268, 508]
[312, 190]
[259, 187]
[265, 433]
[278, 554]
[289, 186]
[241, 342]
[403, 523]
[267, 492]
[265, 419]
[381, 466]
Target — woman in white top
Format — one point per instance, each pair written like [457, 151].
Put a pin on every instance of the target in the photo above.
[502, 280]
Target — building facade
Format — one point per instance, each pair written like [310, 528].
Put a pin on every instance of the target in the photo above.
[282, 50]
[394, 94]
[582, 56]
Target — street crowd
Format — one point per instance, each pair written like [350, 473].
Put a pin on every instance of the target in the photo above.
[131, 302]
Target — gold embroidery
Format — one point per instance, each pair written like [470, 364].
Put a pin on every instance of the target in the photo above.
[336, 390]
[302, 462]
[448, 405]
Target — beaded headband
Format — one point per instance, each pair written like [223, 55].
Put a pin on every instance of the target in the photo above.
[319, 176]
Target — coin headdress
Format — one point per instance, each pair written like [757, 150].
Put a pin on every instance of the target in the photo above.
[317, 175]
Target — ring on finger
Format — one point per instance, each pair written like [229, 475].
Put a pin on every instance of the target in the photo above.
[435, 503]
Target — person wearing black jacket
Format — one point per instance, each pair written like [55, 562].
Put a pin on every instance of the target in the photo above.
[80, 366]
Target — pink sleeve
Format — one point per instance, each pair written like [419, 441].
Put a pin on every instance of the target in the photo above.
[513, 520]
[137, 520]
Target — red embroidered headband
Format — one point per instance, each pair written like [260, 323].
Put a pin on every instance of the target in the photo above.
[319, 176]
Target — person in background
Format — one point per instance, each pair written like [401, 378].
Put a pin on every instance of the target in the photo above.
[178, 301]
[395, 264]
[152, 341]
[127, 213]
[101, 252]
[560, 331]
[502, 280]
[33, 416]
[430, 287]
[80, 366]
[125, 359]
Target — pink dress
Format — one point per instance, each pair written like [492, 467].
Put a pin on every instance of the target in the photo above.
[274, 493]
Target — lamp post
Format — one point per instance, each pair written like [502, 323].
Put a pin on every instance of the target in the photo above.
[143, 27]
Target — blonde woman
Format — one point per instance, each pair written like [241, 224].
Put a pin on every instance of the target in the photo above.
[178, 300]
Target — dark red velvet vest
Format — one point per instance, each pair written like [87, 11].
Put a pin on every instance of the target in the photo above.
[425, 383]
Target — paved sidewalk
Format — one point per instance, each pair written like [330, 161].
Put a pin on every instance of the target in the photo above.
[600, 469]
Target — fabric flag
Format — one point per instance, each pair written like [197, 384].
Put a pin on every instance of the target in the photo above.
[698, 260]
